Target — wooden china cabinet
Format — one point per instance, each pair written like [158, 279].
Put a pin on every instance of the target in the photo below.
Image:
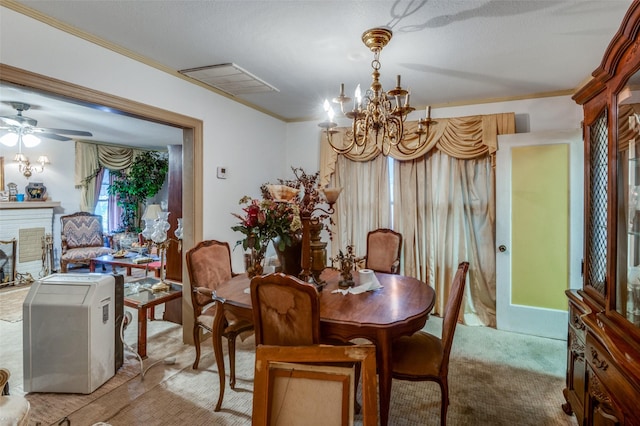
[603, 360]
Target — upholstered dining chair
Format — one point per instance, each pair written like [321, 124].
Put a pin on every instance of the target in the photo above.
[286, 311]
[425, 357]
[383, 251]
[208, 265]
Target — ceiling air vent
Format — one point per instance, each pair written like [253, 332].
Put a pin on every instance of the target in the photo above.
[230, 79]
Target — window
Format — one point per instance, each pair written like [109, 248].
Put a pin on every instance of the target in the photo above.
[102, 206]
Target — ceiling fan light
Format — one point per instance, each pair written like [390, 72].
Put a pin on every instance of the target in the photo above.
[10, 139]
[43, 159]
[20, 158]
[30, 140]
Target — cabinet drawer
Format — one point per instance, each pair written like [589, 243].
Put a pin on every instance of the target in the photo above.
[607, 371]
[575, 321]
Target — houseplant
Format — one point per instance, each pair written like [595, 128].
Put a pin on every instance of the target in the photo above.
[133, 186]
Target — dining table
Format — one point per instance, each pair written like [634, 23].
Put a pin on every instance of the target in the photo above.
[400, 307]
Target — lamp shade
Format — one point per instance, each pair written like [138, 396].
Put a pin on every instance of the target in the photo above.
[30, 140]
[152, 211]
[10, 139]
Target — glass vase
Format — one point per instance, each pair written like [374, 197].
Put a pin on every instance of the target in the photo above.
[254, 262]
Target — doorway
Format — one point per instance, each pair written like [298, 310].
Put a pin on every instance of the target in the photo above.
[192, 130]
[539, 220]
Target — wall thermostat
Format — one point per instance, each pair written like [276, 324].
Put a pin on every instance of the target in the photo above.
[222, 172]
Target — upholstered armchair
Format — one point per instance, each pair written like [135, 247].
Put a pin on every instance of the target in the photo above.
[383, 251]
[14, 410]
[82, 239]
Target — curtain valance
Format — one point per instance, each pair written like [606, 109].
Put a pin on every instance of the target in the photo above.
[91, 157]
[458, 137]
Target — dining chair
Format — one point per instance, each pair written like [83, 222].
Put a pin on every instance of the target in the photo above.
[208, 265]
[425, 357]
[306, 385]
[286, 311]
[383, 251]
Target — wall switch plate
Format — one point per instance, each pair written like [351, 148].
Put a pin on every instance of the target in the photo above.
[222, 172]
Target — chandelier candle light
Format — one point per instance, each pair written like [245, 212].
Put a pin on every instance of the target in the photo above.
[375, 119]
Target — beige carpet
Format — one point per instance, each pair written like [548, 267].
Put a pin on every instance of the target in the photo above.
[11, 303]
[517, 391]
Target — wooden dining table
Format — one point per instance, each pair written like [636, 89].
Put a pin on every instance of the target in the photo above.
[400, 308]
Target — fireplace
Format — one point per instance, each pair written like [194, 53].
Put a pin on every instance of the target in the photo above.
[30, 224]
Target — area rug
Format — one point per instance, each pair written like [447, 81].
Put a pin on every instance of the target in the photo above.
[11, 304]
[481, 393]
[49, 408]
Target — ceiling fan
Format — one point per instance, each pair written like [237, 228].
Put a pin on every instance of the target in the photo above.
[23, 129]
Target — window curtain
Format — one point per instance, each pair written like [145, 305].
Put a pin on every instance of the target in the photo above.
[90, 158]
[446, 212]
[443, 204]
[115, 211]
[363, 205]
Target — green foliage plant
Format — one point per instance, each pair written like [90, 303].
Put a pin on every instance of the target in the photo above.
[132, 187]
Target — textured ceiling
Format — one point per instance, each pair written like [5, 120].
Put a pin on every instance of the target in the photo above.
[448, 52]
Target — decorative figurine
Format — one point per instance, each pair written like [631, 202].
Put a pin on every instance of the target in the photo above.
[347, 266]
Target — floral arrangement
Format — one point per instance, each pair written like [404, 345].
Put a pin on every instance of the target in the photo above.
[308, 196]
[264, 220]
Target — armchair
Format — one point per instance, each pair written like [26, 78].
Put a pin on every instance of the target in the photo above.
[82, 239]
[14, 410]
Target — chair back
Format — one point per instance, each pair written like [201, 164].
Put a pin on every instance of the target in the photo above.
[286, 311]
[82, 229]
[452, 311]
[208, 265]
[383, 250]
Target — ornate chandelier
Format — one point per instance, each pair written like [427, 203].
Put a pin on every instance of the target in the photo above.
[376, 120]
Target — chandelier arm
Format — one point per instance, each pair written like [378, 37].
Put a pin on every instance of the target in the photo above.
[335, 148]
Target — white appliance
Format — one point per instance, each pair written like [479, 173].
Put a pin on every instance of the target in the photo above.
[69, 333]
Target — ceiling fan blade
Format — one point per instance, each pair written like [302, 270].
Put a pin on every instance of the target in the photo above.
[62, 131]
[10, 121]
[53, 136]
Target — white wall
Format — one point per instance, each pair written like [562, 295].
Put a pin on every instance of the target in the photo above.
[250, 144]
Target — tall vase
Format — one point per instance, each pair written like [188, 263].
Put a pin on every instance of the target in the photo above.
[289, 258]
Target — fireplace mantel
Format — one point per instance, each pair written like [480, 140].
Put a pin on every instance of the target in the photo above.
[5, 205]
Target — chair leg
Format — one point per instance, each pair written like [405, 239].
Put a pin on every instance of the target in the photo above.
[196, 341]
[231, 340]
[63, 267]
[444, 404]
[356, 404]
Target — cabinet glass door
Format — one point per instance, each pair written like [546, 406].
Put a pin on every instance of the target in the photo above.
[627, 292]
